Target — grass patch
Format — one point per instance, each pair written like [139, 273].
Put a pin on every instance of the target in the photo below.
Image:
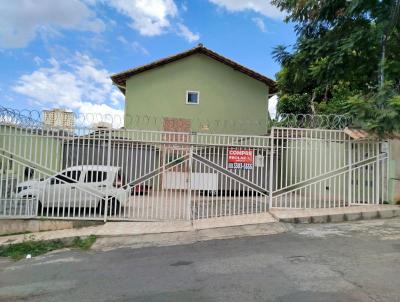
[84, 244]
[17, 251]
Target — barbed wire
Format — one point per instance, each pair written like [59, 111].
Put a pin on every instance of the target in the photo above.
[26, 118]
[35, 119]
[321, 121]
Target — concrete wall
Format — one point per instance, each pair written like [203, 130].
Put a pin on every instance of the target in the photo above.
[394, 171]
[34, 146]
[225, 94]
[22, 148]
[13, 226]
[304, 159]
[135, 159]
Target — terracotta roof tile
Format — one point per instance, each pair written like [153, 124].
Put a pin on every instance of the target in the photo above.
[120, 78]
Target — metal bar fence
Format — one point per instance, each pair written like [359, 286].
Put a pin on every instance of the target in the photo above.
[110, 174]
[322, 168]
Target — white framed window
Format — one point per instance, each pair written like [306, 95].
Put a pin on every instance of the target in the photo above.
[192, 97]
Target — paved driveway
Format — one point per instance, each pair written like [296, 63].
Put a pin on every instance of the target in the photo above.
[357, 261]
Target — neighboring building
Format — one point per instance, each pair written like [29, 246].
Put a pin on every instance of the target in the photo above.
[199, 86]
[59, 118]
[101, 125]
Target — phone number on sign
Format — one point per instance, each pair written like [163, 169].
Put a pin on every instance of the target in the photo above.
[240, 166]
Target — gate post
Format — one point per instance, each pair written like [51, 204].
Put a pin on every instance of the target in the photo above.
[377, 177]
[189, 185]
[108, 165]
[271, 167]
[350, 172]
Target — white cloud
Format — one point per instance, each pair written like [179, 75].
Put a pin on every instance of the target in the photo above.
[152, 18]
[184, 6]
[122, 40]
[187, 34]
[21, 20]
[263, 7]
[149, 17]
[93, 113]
[136, 46]
[79, 84]
[260, 24]
[38, 61]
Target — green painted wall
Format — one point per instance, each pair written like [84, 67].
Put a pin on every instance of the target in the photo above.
[318, 156]
[28, 149]
[21, 148]
[225, 94]
[306, 159]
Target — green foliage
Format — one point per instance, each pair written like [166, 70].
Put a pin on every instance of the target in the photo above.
[18, 251]
[35, 248]
[85, 243]
[337, 103]
[377, 112]
[294, 103]
[343, 49]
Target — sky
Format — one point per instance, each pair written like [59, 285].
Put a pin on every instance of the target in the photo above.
[60, 54]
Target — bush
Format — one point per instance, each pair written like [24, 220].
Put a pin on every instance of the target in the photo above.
[377, 112]
[294, 104]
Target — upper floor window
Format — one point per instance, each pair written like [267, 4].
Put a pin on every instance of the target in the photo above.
[192, 97]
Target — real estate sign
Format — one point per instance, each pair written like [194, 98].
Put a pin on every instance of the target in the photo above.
[240, 159]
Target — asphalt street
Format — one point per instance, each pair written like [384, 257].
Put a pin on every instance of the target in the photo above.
[358, 261]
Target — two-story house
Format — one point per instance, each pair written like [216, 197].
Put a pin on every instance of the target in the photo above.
[200, 89]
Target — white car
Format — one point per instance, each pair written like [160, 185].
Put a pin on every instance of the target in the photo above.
[86, 186]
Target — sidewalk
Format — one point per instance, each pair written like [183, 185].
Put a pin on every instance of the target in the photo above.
[120, 233]
[161, 233]
[336, 214]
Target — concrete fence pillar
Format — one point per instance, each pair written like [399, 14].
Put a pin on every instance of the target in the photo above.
[394, 171]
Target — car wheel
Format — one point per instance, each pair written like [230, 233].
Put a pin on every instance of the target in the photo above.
[112, 207]
[39, 208]
[212, 193]
[101, 207]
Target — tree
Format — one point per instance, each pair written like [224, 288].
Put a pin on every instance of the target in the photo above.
[377, 112]
[344, 50]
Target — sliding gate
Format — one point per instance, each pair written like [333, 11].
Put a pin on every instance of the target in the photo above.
[326, 169]
[195, 176]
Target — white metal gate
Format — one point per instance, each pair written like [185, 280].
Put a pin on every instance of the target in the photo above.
[326, 168]
[153, 175]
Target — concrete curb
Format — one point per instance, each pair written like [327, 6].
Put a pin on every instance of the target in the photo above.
[105, 243]
[342, 217]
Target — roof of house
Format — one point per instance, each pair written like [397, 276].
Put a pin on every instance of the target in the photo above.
[360, 134]
[120, 78]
